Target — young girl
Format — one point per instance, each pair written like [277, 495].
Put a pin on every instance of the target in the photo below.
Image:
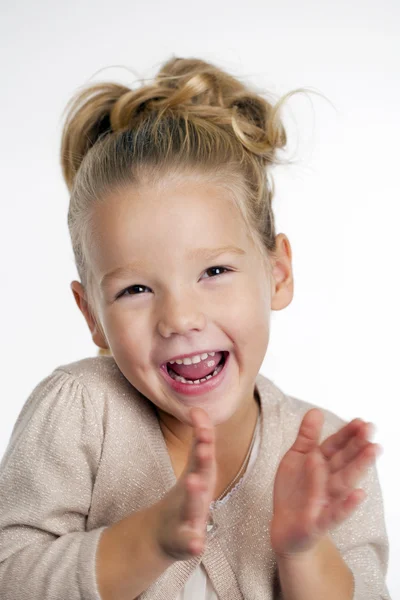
[171, 468]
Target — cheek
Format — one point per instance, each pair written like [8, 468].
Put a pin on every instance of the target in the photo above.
[249, 306]
[255, 320]
[125, 330]
[247, 319]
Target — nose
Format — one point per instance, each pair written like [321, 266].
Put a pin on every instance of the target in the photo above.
[180, 315]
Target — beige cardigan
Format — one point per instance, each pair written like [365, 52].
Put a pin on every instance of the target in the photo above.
[87, 450]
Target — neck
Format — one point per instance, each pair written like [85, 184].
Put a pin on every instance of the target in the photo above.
[232, 441]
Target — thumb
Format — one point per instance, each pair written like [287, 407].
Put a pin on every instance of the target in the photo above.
[309, 432]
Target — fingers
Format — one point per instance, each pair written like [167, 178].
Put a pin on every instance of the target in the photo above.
[203, 438]
[185, 508]
[324, 508]
[352, 447]
[317, 477]
[199, 479]
[340, 510]
[193, 508]
[351, 453]
[349, 476]
[200, 418]
[339, 439]
[309, 431]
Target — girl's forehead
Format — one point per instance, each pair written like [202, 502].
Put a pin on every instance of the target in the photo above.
[179, 197]
[182, 215]
[152, 224]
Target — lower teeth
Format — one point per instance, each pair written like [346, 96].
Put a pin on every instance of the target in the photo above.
[189, 381]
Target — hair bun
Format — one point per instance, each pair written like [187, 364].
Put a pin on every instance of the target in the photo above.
[191, 87]
[87, 120]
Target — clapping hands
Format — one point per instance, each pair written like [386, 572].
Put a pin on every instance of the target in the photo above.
[314, 487]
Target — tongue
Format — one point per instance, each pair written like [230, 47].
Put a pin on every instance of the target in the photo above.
[199, 370]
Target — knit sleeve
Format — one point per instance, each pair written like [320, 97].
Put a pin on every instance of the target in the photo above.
[363, 543]
[46, 479]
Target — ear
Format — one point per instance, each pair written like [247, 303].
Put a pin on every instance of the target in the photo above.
[80, 297]
[282, 274]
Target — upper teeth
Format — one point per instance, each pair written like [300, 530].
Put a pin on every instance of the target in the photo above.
[192, 360]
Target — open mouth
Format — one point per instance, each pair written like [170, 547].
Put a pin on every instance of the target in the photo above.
[206, 371]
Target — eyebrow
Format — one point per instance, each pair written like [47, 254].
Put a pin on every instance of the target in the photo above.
[197, 253]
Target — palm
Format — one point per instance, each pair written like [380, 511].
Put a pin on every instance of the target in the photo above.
[313, 488]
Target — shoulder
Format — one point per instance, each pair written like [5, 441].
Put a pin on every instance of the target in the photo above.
[291, 410]
[99, 376]
[90, 386]
[93, 368]
[113, 398]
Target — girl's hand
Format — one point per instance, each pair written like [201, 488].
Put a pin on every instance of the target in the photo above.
[314, 485]
[182, 513]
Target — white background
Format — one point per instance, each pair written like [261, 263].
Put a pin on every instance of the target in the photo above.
[337, 344]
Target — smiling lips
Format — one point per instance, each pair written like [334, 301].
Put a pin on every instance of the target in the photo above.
[188, 388]
[198, 369]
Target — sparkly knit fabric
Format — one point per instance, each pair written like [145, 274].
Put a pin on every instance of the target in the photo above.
[87, 451]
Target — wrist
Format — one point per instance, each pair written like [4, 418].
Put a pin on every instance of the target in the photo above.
[128, 559]
[302, 556]
[152, 521]
[319, 572]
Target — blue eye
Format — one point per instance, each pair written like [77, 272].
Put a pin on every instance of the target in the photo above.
[126, 291]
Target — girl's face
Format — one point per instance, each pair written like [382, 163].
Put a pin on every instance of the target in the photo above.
[159, 296]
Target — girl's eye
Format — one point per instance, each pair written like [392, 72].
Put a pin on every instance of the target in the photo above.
[136, 287]
[126, 291]
[224, 269]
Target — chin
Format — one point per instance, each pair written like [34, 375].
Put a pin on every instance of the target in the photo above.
[220, 414]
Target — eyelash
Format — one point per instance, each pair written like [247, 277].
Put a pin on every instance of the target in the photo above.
[121, 294]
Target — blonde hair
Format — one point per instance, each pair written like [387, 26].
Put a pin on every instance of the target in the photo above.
[193, 119]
